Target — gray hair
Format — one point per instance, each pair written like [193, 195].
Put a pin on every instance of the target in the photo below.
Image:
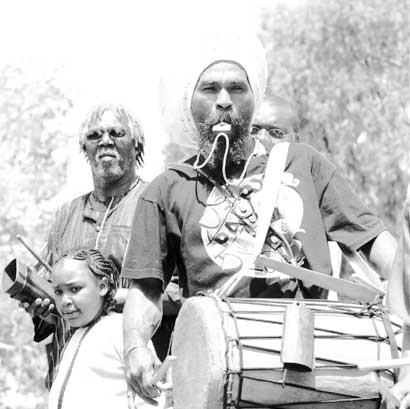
[124, 117]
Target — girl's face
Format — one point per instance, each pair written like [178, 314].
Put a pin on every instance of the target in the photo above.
[79, 294]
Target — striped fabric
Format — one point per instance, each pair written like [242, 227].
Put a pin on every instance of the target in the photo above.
[76, 225]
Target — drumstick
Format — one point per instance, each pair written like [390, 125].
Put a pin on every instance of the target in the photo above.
[357, 279]
[33, 253]
[168, 361]
[341, 286]
[383, 364]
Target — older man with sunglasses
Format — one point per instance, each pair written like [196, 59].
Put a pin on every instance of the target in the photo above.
[113, 143]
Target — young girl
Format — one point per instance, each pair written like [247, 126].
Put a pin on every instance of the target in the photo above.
[91, 373]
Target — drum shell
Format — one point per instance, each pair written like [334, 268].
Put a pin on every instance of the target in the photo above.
[23, 284]
[228, 353]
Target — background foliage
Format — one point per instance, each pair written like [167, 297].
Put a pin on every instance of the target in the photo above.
[344, 63]
[31, 173]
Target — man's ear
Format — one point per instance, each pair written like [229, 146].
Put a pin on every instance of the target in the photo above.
[103, 286]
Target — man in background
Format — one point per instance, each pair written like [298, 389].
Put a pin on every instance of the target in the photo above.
[275, 121]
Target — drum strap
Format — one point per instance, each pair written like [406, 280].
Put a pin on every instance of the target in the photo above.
[70, 368]
[268, 201]
[270, 192]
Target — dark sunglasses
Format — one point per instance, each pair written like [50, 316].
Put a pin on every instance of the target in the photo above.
[97, 134]
[273, 132]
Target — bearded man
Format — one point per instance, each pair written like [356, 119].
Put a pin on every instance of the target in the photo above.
[201, 216]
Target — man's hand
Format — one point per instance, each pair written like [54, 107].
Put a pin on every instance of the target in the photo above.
[141, 317]
[140, 365]
[401, 389]
[40, 308]
[401, 393]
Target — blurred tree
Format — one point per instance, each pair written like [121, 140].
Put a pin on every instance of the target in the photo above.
[346, 66]
[174, 153]
[31, 173]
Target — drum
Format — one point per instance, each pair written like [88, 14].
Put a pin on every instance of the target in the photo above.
[228, 355]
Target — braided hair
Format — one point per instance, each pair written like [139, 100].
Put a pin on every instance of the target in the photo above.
[101, 267]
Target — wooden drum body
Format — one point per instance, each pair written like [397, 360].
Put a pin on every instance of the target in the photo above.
[228, 355]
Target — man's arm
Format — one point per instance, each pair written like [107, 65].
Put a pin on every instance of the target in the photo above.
[397, 296]
[171, 300]
[380, 253]
[142, 316]
[401, 389]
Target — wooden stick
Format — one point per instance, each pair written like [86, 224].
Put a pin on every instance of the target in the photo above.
[341, 286]
[385, 364]
[363, 270]
[34, 254]
[169, 360]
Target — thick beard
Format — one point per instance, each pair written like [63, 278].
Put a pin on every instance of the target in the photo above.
[237, 140]
[109, 170]
[236, 152]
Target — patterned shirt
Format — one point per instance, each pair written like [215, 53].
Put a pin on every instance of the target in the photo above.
[184, 219]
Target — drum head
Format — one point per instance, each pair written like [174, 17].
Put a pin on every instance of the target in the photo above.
[199, 370]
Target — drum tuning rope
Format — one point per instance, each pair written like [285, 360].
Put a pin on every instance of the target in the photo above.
[243, 368]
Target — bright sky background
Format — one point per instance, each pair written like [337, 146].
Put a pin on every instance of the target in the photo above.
[113, 50]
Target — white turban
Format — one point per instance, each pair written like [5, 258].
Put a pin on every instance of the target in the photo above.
[176, 90]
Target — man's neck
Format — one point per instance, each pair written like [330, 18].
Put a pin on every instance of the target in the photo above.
[105, 189]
